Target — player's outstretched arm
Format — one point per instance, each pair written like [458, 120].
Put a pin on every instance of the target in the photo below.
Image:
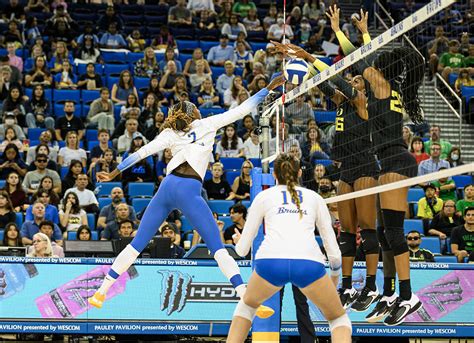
[246, 107]
[155, 146]
[252, 224]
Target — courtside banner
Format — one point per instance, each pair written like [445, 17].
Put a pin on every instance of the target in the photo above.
[193, 297]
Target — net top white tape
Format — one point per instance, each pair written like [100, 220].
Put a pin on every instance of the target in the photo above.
[466, 168]
[384, 38]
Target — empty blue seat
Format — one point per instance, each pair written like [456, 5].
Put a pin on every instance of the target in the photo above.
[111, 80]
[220, 206]
[231, 162]
[227, 221]
[141, 82]
[139, 204]
[187, 44]
[34, 133]
[246, 203]
[446, 259]
[19, 219]
[104, 202]
[91, 135]
[85, 110]
[231, 175]
[91, 221]
[2, 234]
[112, 56]
[216, 72]
[133, 57]
[206, 46]
[61, 95]
[2, 183]
[115, 69]
[92, 144]
[206, 112]
[432, 244]
[103, 189]
[141, 189]
[325, 116]
[413, 224]
[462, 180]
[257, 163]
[452, 78]
[90, 95]
[184, 57]
[258, 46]
[467, 92]
[415, 194]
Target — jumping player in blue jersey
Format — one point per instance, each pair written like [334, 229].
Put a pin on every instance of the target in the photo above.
[190, 139]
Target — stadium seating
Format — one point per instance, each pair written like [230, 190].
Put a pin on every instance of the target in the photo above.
[431, 243]
[19, 219]
[104, 202]
[34, 133]
[415, 194]
[140, 189]
[446, 259]
[220, 206]
[103, 189]
[91, 221]
[231, 162]
[413, 224]
[140, 204]
[325, 116]
[462, 180]
[2, 234]
[231, 175]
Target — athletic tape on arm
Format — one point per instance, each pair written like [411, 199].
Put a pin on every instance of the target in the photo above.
[384, 38]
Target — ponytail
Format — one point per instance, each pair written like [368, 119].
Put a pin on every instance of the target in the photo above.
[179, 118]
[286, 169]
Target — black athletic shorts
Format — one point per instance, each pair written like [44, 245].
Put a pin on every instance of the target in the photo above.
[397, 159]
[357, 167]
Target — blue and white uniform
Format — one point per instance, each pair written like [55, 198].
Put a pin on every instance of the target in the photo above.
[289, 251]
[183, 192]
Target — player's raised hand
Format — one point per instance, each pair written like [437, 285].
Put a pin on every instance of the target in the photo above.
[293, 51]
[276, 82]
[362, 23]
[333, 14]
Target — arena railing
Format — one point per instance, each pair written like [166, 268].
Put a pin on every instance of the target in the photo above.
[439, 78]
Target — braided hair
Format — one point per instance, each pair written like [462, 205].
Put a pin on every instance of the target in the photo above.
[286, 169]
[180, 117]
[405, 67]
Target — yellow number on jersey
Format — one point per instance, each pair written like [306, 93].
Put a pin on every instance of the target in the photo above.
[396, 102]
[339, 124]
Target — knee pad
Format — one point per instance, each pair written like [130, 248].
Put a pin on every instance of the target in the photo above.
[341, 321]
[370, 244]
[382, 239]
[394, 231]
[245, 311]
[347, 244]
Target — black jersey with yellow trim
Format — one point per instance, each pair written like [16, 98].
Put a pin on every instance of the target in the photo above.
[352, 136]
[386, 120]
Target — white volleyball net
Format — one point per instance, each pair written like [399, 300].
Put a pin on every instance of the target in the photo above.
[291, 125]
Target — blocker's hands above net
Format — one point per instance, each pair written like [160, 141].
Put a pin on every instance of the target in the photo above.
[293, 51]
[333, 14]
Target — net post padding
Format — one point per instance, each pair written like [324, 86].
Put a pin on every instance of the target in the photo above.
[466, 168]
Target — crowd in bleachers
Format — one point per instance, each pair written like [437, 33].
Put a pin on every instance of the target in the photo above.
[449, 47]
[82, 86]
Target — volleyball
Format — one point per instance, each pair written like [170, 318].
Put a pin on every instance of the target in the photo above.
[296, 71]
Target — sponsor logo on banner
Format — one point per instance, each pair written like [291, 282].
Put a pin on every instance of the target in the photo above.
[178, 289]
